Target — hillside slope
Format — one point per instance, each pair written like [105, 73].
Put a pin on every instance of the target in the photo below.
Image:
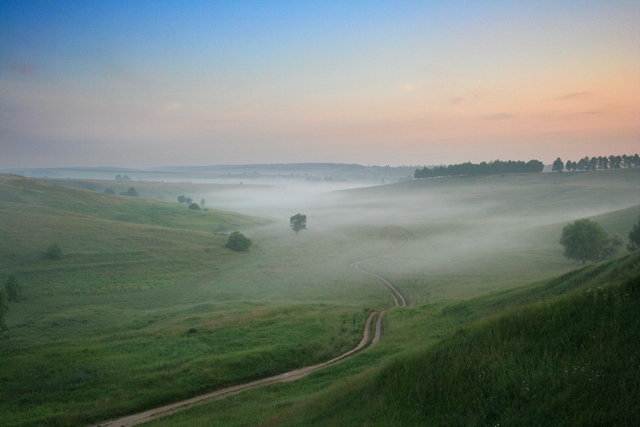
[572, 360]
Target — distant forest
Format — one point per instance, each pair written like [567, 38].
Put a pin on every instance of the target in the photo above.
[484, 168]
[603, 162]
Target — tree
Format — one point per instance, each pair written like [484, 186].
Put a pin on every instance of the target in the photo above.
[188, 200]
[3, 309]
[558, 165]
[238, 242]
[202, 202]
[298, 222]
[54, 251]
[586, 240]
[181, 199]
[13, 288]
[194, 206]
[634, 237]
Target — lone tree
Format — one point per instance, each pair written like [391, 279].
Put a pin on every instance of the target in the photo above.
[181, 199]
[634, 237]
[586, 240]
[298, 222]
[13, 288]
[558, 165]
[238, 242]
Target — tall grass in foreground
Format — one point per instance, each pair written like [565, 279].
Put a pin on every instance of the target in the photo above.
[572, 361]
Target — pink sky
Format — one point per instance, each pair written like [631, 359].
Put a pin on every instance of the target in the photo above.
[151, 84]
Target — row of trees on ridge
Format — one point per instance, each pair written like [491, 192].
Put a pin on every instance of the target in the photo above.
[595, 163]
[483, 168]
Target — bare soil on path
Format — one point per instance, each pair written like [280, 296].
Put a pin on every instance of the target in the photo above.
[163, 411]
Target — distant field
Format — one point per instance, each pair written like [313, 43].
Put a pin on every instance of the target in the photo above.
[145, 297]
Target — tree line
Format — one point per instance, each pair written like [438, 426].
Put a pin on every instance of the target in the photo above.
[600, 162]
[483, 168]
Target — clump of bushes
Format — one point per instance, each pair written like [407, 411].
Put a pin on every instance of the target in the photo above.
[238, 242]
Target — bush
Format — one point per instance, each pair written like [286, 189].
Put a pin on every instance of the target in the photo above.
[238, 242]
[194, 206]
[54, 251]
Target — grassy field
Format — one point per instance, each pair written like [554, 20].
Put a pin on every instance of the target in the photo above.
[146, 298]
[146, 307]
[566, 361]
[559, 352]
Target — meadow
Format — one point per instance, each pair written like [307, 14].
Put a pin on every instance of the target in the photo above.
[146, 307]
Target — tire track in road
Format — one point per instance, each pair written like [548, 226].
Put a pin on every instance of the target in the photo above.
[398, 298]
[163, 411]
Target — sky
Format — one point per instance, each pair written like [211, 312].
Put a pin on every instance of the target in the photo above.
[168, 83]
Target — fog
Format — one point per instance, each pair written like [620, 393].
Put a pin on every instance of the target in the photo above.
[468, 235]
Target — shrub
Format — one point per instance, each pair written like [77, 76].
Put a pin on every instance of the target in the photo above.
[194, 206]
[238, 242]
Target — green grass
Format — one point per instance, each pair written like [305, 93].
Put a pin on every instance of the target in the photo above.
[152, 302]
[560, 352]
[573, 360]
[113, 316]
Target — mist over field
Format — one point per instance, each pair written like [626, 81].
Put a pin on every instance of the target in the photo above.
[148, 286]
[470, 231]
[154, 158]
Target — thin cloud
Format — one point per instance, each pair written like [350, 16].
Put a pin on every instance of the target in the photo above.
[498, 117]
[590, 113]
[22, 68]
[573, 95]
[173, 106]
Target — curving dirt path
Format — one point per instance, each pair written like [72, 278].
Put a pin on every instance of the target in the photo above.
[398, 298]
[163, 411]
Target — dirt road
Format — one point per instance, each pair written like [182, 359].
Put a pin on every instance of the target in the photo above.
[163, 411]
[398, 298]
